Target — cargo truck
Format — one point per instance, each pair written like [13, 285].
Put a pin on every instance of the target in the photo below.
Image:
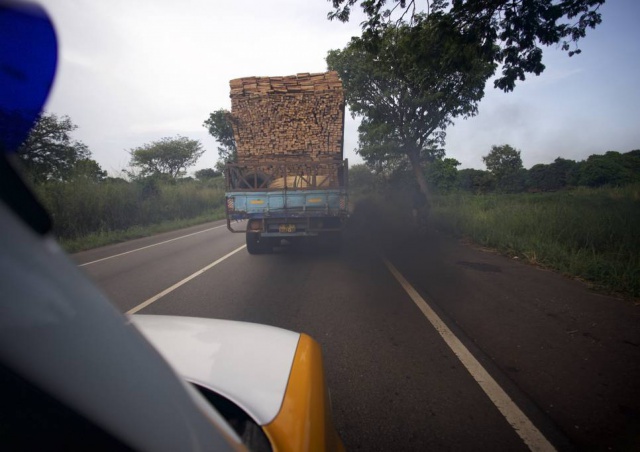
[290, 180]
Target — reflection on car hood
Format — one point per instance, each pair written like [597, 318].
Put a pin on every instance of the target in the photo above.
[246, 362]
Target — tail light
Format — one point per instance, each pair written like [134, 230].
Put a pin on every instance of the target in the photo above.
[343, 203]
[231, 204]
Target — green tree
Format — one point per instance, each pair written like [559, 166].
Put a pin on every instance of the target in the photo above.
[408, 91]
[50, 153]
[207, 173]
[609, 169]
[505, 164]
[220, 127]
[517, 29]
[361, 178]
[169, 157]
[442, 174]
[88, 169]
[631, 161]
[554, 176]
[565, 171]
[475, 181]
[540, 178]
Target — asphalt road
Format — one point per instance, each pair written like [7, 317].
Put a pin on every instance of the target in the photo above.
[568, 358]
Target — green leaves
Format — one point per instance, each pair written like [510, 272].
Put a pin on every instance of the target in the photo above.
[510, 32]
[612, 168]
[505, 164]
[417, 80]
[442, 174]
[220, 127]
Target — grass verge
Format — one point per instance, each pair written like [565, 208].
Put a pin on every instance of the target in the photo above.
[102, 238]
[591, 234]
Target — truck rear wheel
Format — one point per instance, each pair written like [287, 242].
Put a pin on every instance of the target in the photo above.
[254, 245]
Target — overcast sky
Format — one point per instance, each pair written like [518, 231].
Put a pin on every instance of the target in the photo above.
[135, 71]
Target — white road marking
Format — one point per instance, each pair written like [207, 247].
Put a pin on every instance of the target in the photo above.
[146, 303]
[523, 426]
[151, 246]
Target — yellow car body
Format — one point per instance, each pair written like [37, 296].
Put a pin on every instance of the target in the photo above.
[275, 376]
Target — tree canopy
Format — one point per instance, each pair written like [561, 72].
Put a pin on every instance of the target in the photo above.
[219, 126]
[516, 29]
[408, 91]
[442, 174]
[551, 177]
[168, 156]
[612, 168]
[88, 169]
[50, 152]
[505, 164]
[475, 180]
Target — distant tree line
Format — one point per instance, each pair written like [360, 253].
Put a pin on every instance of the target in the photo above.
[505, 173]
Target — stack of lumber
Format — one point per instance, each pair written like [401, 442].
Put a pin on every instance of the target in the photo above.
[288, 118]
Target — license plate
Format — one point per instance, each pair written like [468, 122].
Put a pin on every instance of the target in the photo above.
[286, 228]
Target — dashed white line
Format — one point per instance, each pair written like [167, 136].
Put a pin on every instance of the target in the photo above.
[151, 246]
[522, 425]
[146, 303]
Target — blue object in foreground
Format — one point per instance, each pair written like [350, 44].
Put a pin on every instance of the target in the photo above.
[28, 59]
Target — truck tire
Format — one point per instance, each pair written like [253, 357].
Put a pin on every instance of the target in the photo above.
[254, 246]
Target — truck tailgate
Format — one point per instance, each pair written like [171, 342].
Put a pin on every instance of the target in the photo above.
[246, 204]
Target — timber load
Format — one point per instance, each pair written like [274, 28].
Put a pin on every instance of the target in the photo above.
[288, 119]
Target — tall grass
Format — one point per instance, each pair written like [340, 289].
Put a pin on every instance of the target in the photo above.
[83, 208]
[589, 233]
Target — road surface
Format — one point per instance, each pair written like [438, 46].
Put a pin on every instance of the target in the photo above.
[428, 344]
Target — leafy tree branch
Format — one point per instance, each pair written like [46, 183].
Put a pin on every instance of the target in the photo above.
[220, 127]
[516, 29]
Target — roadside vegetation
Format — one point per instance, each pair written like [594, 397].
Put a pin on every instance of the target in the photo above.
[107, 237]
[91, 209]
[578, 218]
[80, 208]
[416, 68]
[87, 214]
[589, 233]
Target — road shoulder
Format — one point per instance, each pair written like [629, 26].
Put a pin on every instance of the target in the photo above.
[574, 352]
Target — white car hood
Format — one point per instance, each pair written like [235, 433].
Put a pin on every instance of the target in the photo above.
[246, 362]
